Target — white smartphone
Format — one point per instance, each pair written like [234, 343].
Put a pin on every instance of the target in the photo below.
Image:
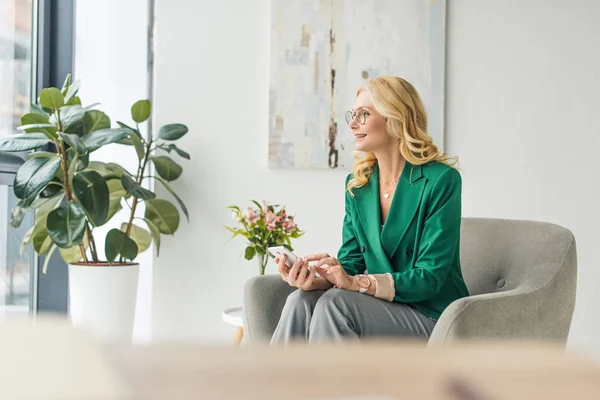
[278, 251]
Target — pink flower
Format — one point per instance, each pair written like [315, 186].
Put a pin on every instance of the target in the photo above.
[289, 226]
[250, 215]
[270, 217]
[265, 206]
[270, 227]
[279, 219]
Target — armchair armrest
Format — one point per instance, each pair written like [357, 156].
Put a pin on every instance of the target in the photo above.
[264, 298]
[524, 313]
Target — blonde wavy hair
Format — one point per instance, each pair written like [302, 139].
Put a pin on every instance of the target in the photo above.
[399, 102]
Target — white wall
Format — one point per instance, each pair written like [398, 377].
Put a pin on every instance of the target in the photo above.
[111, 43]
[522, 96]
[211, 73]
[522, 87]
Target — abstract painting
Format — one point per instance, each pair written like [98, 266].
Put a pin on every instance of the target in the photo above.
[323, 51]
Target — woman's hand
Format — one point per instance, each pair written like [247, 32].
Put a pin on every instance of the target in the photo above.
[330, 268]
[299, 276]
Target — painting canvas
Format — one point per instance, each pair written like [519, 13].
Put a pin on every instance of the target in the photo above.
[323, 51]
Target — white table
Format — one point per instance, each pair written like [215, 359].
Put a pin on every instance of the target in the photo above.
[234, 316]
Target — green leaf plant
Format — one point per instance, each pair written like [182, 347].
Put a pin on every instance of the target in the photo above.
[71, 195]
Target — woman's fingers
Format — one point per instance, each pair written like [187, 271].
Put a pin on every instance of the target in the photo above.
[309, 279]
[328, 261]
[302, 274]
[293, 273]
[315, 257]
[282, 268]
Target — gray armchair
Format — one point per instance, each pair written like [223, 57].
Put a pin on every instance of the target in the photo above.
[521, 277]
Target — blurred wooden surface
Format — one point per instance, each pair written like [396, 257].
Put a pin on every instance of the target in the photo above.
[474, 371]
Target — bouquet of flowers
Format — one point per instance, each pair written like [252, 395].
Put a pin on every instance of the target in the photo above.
[264, 226]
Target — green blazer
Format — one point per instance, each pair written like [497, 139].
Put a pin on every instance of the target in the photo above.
[419, 242]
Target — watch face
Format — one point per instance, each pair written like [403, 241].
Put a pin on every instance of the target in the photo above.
[364, 282]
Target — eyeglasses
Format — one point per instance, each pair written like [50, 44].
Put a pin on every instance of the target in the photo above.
[361, 117]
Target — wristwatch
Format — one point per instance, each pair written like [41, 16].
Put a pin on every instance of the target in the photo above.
[363, 283]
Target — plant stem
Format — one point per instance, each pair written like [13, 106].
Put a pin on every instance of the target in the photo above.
[93, 247]
[138, 179]
[65, 168]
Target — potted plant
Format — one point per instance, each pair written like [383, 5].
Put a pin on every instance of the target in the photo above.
[72, 196]
[264, 226]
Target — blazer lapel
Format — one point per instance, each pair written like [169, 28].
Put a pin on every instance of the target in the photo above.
[405, 204]
[369, 211]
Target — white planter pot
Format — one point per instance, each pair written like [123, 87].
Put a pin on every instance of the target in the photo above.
[102, 300]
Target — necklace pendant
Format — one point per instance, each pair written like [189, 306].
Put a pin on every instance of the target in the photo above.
[386, 195]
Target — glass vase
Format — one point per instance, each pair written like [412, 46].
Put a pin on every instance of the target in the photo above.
[263, 259]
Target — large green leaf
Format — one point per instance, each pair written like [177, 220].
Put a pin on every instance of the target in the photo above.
[34, 118]
[163, 214]
[42, 241]
[48, 257]
[34, 122]
[73, 167]
[43, 154]
[117, 243]
[167, 168]
[34, 108]
[71, 255]
[116, 193]
[104, 136]
[172, 131]
[83, 160]
[123, 125]
[66, 84]
[140, 236]
[155, 234]
[66, 225]
[74, 141]
[138, 144]
[140, 111]
[177, 150]
[95, 120]
[72, 91]
[74, 101]
[35, 127]
[107, 170]
[69, 115]
[34, 175]
[23, 141]
[52, 98]
[38, 233]
[43, 205]
[17, 214]
[91, 106]
[170, 190]
[26, 240]
[136, 190]
[93, 194]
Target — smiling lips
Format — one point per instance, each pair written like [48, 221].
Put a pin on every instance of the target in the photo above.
[359, 136]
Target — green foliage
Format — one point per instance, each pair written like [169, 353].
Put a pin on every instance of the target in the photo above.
[71, 195]
[263, 227]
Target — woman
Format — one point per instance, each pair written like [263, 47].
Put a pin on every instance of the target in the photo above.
[402, 225]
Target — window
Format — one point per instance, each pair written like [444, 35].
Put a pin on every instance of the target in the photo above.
[16, 37]
[16, 72]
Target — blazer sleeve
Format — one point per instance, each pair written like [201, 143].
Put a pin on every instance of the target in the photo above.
[349, 256]
[439, 241]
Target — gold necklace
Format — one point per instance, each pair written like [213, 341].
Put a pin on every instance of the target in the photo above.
[386, 193]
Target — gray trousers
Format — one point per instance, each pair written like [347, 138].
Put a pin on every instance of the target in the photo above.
[337, 314]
